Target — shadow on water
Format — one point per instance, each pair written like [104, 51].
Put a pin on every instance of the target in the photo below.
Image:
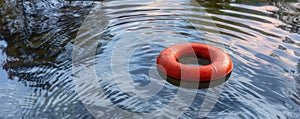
[36, 42]
[194, 85]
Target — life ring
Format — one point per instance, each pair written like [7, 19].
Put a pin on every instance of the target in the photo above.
[220, 67]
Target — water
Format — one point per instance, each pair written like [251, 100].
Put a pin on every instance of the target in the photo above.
[39, 66]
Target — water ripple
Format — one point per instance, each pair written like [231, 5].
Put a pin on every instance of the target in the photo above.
[37, 39]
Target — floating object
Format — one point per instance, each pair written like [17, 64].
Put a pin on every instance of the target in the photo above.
[220, 67]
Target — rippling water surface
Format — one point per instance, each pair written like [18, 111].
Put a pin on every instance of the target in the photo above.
[38, 38]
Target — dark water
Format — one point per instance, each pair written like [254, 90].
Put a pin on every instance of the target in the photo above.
[47, 45]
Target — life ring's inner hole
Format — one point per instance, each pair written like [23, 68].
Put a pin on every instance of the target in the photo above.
[198, 61]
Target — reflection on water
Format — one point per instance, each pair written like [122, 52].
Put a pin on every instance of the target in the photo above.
[36, 42]
[39, 36]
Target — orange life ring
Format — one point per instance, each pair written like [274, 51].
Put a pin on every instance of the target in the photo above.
[221, 64]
